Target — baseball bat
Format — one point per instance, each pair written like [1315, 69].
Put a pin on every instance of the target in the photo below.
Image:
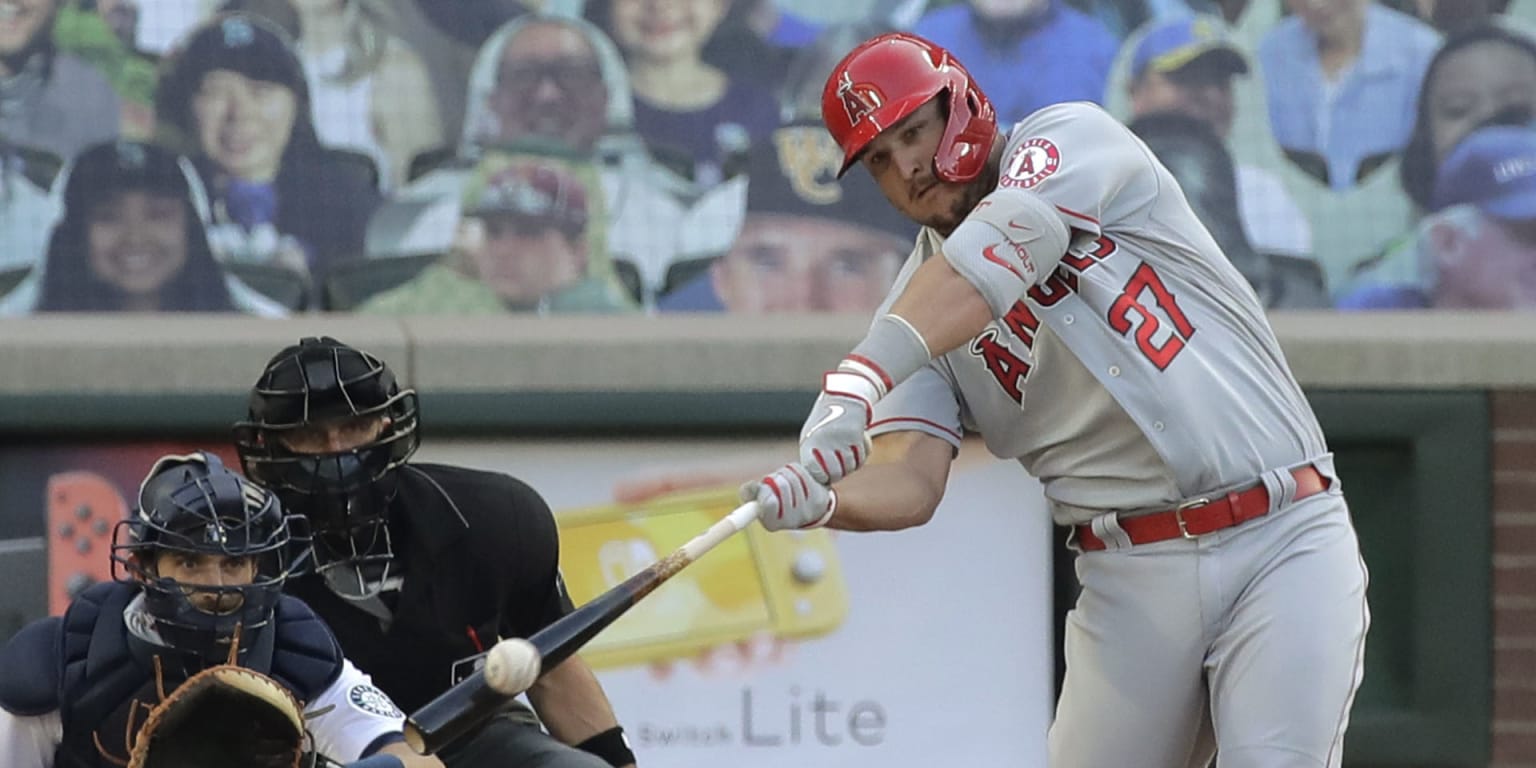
[471, 702]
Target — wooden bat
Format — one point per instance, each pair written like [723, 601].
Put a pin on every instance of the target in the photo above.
[470, 703]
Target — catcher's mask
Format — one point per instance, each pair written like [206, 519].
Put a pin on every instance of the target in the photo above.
[317, 385]
[193, 505]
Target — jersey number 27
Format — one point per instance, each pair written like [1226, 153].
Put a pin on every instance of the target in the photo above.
[1128, 307]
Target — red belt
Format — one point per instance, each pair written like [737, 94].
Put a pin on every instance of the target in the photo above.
[1198, 517]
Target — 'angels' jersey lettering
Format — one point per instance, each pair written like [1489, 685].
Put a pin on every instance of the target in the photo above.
[1141, 369]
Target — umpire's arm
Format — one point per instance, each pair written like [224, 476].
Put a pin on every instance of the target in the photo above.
[568, 699]
[571, 702]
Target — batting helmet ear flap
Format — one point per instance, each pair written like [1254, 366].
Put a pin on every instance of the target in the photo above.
[968, 135]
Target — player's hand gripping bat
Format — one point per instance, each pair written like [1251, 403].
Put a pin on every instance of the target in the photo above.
[512, 666]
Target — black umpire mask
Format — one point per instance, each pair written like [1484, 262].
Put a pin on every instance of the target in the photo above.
[327, 429]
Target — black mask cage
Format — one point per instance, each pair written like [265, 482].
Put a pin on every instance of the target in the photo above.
[345, 494]
[193, 505]
[320, 381]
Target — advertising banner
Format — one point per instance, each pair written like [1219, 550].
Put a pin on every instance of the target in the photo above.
[817, 649]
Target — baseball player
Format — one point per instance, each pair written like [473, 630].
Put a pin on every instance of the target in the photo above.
[1063, 301]
[199, 565]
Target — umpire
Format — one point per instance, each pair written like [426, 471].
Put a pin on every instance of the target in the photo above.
[420, 568]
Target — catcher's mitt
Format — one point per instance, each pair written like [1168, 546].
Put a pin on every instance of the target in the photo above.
[223, 717]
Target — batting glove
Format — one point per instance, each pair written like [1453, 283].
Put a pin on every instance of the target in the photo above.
[790, 499]
[833, 442]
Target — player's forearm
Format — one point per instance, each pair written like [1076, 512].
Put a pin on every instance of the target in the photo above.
[571, 702]
[900, 488]
[881, 498]
[409, 758]
[943, 306]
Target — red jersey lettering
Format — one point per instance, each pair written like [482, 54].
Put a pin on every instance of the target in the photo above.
[1009, 369]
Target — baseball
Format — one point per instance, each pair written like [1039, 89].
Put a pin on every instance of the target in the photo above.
[512, 666]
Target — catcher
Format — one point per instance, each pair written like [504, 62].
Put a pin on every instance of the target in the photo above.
[190, 657]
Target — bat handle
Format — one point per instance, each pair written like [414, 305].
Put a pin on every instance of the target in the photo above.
[738, 519]
[743, 515]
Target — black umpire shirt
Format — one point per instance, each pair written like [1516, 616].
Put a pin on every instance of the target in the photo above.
[482, 567]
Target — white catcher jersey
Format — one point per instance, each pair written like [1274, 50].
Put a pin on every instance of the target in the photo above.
[1139, 370]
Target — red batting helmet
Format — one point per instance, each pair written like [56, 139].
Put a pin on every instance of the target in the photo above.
[887, 78]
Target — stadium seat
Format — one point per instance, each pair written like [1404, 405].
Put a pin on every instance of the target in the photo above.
[427, 160]
[12, 277]
[629, 277]
[680, 272]
[360, 164]
[39, 166]
[280, 284]
[1300, 282]
[353, 282]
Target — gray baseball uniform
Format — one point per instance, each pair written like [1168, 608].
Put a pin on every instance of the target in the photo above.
[1138, 373]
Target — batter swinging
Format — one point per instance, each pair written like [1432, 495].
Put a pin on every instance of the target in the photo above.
[1064, 302]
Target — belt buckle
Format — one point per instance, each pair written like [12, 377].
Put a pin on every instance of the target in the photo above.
[1178, 515]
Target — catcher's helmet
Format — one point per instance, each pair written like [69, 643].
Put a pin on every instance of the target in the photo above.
[346, 493]
[192, 504]
[886, 78]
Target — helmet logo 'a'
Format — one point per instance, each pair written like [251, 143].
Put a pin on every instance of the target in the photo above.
[858, 104]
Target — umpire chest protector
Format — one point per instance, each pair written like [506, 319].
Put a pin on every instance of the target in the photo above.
[481, 554]
[102, 680]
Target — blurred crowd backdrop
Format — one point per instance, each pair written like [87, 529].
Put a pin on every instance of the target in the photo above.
[274, 157]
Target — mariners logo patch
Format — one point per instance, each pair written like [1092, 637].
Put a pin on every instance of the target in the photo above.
[373, 701]
[1031, 163]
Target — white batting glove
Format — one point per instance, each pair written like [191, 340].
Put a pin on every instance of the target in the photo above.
[791, 499]
[833, 442]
